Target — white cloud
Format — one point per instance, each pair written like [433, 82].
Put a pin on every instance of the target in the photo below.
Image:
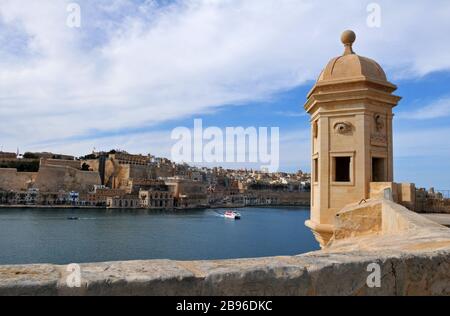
[422, 142]
[422, 156]
[154, 142]
[437, 109]
[137, 66]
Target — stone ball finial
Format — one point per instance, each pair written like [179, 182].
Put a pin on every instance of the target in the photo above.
[348, 38]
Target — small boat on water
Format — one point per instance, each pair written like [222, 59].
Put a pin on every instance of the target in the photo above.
[72, 218]
[232, 215]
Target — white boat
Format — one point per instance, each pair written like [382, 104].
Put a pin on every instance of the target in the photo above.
[232, 215]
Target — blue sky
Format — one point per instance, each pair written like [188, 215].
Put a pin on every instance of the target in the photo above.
[135, 70]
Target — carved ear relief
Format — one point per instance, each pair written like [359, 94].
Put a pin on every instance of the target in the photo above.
[379, 122]
[315, 129]
[343, 127]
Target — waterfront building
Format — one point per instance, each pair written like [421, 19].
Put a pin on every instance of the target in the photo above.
[74, 197]
[128, 201]
[161, 200]
[125, 158]
[136, 185]
[187, 193]
[100, 194]
[52, 198]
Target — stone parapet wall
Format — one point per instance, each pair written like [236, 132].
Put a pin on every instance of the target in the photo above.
[76, 164]
[402, 193]
[412, 252]
[421, 273]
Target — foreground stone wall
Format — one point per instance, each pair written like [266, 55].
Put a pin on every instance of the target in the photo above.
[425, 273]
[412, 252]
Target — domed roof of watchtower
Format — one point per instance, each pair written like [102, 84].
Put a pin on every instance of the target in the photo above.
[353, 76]
[351, 65]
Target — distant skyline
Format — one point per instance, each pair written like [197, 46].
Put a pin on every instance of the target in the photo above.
[135, 70]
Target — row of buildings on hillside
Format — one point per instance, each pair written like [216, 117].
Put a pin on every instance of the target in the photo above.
[117, 179]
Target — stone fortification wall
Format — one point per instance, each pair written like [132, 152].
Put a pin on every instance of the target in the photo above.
[60, 162]
[52, 178]
[11, 180]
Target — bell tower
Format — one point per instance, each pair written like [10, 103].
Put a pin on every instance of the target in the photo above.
[351, 128]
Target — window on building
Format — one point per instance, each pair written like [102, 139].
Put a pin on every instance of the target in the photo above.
[342, 169]
[316, 170]
[378, 170]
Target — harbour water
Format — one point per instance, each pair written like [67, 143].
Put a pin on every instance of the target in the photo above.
[48, 236]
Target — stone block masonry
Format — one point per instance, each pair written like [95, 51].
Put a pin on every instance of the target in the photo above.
[11, 179]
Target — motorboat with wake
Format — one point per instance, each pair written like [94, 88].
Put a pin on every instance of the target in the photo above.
[232, 215]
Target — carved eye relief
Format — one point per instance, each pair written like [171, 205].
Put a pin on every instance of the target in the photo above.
[343, 127]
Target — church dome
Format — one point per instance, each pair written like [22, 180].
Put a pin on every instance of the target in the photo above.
[350, 65]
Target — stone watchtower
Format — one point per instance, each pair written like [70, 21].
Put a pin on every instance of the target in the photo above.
[351, 122]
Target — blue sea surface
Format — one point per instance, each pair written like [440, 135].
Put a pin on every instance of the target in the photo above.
[48, 236]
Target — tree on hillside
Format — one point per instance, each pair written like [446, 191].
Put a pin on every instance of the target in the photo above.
[29, 155]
